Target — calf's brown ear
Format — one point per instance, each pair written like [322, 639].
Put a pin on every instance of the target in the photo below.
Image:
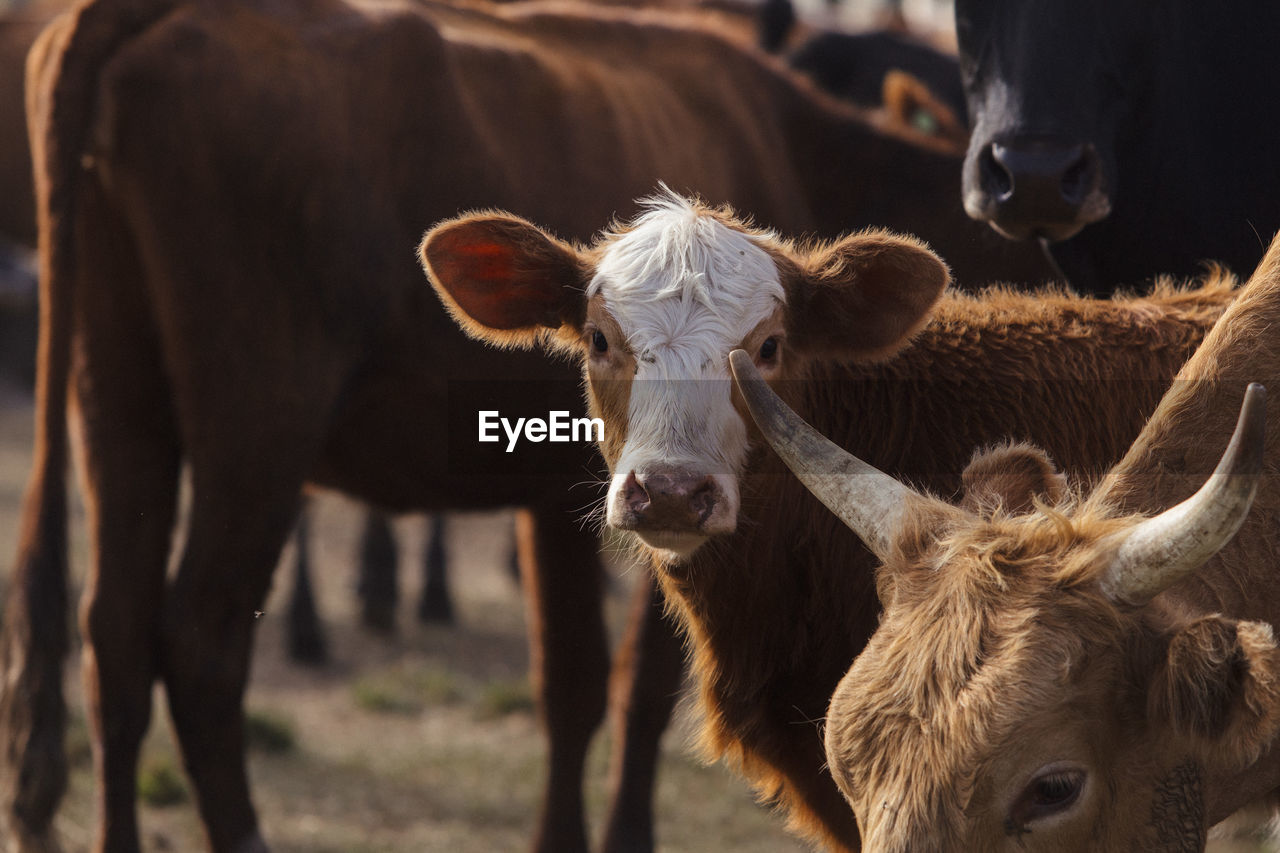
[504, 280]
[864, 296]
[1010, 476]
[912, 105]
[1220, 687]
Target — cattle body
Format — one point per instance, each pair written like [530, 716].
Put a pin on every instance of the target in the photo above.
[852, 64]
[225, 193]
[18, 30]
[1060, 670]
[1095, 129]
[776, 597]
[913, 82]
[918, 84]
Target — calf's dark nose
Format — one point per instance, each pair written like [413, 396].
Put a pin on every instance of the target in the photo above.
[669, 501]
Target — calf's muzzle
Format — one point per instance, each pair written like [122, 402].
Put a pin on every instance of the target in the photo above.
[668, 500]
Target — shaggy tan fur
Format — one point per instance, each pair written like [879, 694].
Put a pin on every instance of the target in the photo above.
[996, 625]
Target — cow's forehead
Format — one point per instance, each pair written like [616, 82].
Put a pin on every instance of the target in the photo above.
[924, 717]
[930, 779]
[682, 277]
[971, 653]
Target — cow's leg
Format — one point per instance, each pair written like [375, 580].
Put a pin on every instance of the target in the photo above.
[570, 659]
[436, 604]
[240, 519]
[379, 586]
[132, 476]
[645, 687]
[306, 633]
[131, 470]
[513, 560]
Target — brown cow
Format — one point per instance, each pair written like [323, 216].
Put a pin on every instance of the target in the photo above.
[776, 596]
[226, 191]
[1071, 672]
[377, 589]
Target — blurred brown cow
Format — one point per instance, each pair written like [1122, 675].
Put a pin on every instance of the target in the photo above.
[19, 28]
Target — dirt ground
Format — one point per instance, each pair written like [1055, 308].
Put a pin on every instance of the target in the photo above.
[422, 741]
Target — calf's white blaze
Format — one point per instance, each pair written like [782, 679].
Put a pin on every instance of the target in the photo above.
[685, 290]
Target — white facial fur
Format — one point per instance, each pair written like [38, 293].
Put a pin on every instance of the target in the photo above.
[685, 289]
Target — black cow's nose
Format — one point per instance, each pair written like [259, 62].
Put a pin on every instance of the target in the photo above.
[1050, 173]
[1042, 188]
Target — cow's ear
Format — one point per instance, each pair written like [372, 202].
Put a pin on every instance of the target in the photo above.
[864, 296]
[1010, 476]
[910, 104]
[1219, 687]
[504, 280]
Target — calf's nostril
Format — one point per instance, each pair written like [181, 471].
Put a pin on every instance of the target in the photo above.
[997, 178]
[634, 494]
[703, 498]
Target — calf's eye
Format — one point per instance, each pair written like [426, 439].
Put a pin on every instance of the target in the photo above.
[768, 349]
[599, 342]
[1056, 790]
[1048, 794]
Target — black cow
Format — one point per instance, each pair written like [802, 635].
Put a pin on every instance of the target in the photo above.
[853, 65]
[1132, 138]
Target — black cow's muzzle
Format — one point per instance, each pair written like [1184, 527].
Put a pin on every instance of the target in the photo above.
[1027, 187]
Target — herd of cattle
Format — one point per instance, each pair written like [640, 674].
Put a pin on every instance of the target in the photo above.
[1006, 600]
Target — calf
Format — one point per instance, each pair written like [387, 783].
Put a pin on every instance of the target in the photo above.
[1062, 671]
[775, 596]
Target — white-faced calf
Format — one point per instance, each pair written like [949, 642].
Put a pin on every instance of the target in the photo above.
[653, 312]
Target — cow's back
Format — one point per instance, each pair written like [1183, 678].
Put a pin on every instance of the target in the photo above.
[315, 141]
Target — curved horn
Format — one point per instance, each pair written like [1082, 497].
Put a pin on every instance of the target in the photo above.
[869, 501]
[1163, 550]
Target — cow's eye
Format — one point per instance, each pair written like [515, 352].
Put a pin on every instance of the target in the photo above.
[599, 342]
[768, 349]
[1047, 794]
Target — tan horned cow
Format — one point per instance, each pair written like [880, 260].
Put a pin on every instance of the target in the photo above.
[1069, 671]
[775, 595]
